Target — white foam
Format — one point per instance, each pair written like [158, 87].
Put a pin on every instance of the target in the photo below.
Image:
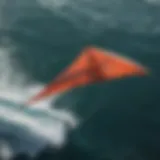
[50, 125]
[5, 151]
[51, 130]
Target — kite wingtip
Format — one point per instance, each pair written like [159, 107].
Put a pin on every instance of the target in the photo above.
[144, 71]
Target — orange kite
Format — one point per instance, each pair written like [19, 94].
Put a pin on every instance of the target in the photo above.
[92, 65]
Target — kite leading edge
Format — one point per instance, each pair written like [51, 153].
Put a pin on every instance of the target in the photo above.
[93, 65]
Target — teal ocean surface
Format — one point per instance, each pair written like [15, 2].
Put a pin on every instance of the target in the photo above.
[116, 120]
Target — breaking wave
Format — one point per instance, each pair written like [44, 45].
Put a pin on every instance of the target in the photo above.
[39, 122]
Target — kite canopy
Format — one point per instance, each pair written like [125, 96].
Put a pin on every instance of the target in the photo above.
[91, 66]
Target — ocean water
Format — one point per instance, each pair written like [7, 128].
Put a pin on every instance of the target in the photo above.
[38, 38]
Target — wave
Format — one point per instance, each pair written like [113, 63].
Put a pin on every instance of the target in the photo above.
[95, 16]
[40, 123]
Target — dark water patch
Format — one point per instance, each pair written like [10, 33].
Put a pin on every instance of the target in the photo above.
[45, 42]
